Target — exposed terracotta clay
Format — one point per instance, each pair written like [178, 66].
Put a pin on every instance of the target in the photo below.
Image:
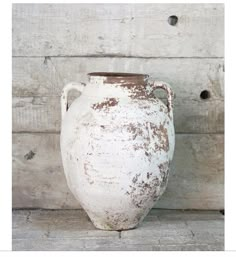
[106, 104]
[117, 143]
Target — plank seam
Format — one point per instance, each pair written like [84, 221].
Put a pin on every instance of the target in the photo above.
[15, 209]
[118, 56]
[58, 132]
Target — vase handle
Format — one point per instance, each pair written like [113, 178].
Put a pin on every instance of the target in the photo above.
[64, 95]
[170, 94]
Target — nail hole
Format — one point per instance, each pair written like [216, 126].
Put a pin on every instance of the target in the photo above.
[205, 94]
[30, 155]
[172, 20]
[46, 59]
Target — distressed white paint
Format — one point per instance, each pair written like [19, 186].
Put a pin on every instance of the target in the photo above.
[196, 179]
[42, 114]
[116, 149]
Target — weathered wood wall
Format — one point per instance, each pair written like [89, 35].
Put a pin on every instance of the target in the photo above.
[57, 43]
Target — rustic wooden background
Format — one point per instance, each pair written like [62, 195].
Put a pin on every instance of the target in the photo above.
[57, 43]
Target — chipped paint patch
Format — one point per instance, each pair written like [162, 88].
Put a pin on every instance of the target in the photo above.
[105, 105]
[142, 191]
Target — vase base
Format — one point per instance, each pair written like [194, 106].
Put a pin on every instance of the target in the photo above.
[109, 227]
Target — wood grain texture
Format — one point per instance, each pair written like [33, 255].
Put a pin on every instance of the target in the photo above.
[188, 77]
[160, 230]
[140, 30]
[42, 114]
[196, 177]
[38, 81]
[54, 44]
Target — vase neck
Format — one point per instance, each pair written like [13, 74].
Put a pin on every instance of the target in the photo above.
[128, 84]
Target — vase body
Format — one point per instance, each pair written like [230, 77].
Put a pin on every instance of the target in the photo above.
[117, 143]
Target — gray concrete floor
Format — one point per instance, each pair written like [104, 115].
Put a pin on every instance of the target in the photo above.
[161, 230]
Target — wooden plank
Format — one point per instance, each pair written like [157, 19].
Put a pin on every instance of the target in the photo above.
[57, 224]
[196, 177]
[35, 77]
[105, 29]
[72, 230]
[175, 229]
[42, 114]
[188, 77]
[108, 245]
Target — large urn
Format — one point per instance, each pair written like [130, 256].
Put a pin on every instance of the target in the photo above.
[117, 143]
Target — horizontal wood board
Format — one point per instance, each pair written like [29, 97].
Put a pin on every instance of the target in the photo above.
[37, 84]
[140, 30]
[161, 230]
[188, 77]
[42, 114]
[196, 177]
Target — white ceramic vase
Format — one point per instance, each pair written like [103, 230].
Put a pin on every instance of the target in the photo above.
[117, 143]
